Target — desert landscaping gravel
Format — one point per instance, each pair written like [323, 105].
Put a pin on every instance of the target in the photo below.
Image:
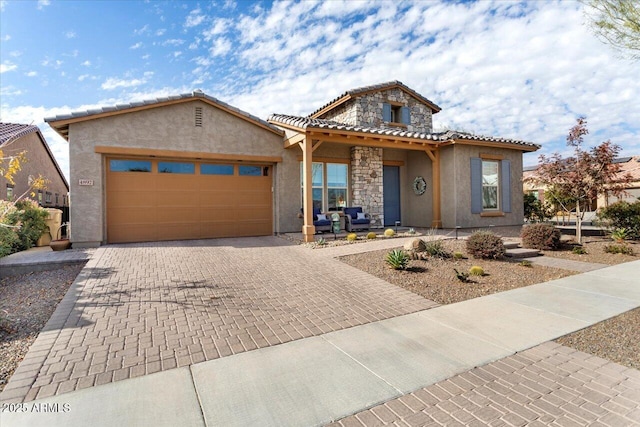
[26, 303]
[595, 252]
[435, 279]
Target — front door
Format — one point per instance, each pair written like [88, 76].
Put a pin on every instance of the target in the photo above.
[391, 188]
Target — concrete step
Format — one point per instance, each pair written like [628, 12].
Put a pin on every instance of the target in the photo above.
[522, 253]
[511, 245]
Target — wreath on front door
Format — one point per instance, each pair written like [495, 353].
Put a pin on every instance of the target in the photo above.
[419, 185]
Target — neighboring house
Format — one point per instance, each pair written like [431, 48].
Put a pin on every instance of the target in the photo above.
[191, 166]
[629, 165]
[16, 138]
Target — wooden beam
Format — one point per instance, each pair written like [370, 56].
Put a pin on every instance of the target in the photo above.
[293, 140]
[366, 141]
[436, 222]
[317, 144]
[308, 229]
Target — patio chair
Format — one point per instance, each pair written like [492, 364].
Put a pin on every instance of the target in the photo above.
[321, 225]
[355, 219]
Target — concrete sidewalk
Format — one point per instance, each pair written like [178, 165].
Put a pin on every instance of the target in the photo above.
[317, 380]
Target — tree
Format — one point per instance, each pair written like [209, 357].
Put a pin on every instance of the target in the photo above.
[583, 176]
[617, 23]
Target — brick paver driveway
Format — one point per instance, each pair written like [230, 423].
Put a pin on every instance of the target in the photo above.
[141, 308]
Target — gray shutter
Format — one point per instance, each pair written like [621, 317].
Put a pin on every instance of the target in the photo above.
[406, 117]
[386, 112]
[505, 182]
[476, 185]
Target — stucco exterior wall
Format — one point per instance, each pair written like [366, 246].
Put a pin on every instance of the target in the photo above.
[169, 128]
[456, 187]
[38, 163]
[419, 208]
[366, 110]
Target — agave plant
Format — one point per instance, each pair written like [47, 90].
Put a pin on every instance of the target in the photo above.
[397, 259]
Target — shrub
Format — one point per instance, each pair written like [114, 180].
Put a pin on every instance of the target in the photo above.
[525, 263]
[352, 237]
[486, 245]
[371, 235]
[411, 231]
[620, 234]
[540, 236]
[623, 215]
[535, 210]
[28, 223]
[579, 250]
[435, 249]
[389, 232]
[397, 259]
[322, 241]
[618, 249]
[458, 255]
[476, 271]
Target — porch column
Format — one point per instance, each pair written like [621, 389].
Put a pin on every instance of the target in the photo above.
[308, 229]
[436, 222]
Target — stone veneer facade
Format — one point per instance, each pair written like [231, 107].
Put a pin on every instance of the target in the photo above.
[366, 110]
[366, 182]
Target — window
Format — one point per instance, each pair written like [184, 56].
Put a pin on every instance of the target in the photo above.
[64, 200]
[333, 189]
[337, 186]
[490, 184]
[47, 198]
[176, 167]
[57, 199]
[40, 196]
[207, 169]
[253, 170]
[392, 113]
[130, 165]
[9, 192]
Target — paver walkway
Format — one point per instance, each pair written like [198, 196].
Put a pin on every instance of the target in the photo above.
[548, 385]
[142, 308]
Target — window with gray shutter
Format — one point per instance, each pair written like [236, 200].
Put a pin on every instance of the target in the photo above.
[476, 185]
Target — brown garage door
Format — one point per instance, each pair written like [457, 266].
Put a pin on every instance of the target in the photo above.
[150, 200]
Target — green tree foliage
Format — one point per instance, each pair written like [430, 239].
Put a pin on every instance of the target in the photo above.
[623, 215]
[617, 23]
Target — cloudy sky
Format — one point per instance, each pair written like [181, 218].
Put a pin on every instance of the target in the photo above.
[522, 70]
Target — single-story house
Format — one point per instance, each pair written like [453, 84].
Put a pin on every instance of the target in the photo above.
[628, 165]
[18, 138]
[191, 166]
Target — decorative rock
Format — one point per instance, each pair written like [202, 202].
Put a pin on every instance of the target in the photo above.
[416, 245]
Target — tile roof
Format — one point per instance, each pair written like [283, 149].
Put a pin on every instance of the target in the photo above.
[377, 87]
[197, 94]
[9, 131]
[628, 165]
[310, 123]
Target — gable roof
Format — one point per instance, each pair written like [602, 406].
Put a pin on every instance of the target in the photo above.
[352, 93]
[448, 137]
[12, 131]
[60, 123]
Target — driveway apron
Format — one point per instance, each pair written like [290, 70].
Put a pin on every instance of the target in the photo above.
[137, 309]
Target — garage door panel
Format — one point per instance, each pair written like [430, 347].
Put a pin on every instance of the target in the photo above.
[132, 233]
[132, 181]
[172, 206]
[218, 198]
[117, 199]
[131, 215]
[177, 214]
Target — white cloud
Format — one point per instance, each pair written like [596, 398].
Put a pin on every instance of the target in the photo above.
[221, 46]
[86, 63]
[114, 83]
[219, 27]
[43, 3]
[7, 66]
[161, 32]
[83, 77]
[142, 30]
[6, 38]
[70, 34]
[194, 18]
[3, 4]
[173, 42]
[136, 46]
[31, 74]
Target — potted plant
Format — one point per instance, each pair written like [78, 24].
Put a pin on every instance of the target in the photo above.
[60, 244]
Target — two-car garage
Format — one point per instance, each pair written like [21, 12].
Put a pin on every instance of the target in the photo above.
[150, 199]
